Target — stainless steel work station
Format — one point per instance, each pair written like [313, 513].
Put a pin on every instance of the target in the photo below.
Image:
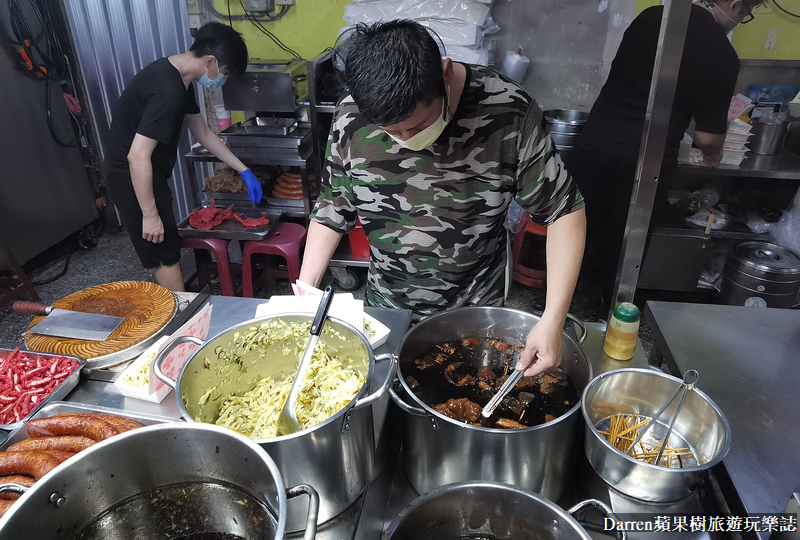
[400, 270]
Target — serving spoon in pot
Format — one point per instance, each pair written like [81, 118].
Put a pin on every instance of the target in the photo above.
[287, 419]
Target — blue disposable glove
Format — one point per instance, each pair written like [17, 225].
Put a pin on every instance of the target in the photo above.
[253, 185]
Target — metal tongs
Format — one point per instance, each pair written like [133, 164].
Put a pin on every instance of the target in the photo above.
[510, 383]
[287, 419]
[690, 379]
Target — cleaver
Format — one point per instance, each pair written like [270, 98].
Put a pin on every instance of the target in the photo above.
[69, 324]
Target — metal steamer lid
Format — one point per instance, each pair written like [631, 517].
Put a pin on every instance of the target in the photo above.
[770, 259]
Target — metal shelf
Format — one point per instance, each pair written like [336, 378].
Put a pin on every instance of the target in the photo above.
[730, 232]
[344, 256]
[330, 109]
[782, 166]
[259, 156]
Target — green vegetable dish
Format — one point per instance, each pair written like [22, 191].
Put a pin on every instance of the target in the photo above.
[331, 382]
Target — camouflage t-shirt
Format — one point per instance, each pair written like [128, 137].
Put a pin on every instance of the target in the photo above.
[435, 218]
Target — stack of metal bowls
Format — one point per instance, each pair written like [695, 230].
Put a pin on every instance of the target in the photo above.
[701, 427]
[565, 126]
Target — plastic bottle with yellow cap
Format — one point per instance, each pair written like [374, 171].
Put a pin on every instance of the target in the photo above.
[622, 332]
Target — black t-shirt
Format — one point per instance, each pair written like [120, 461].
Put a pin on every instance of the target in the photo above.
[153, 104]
[706, 81]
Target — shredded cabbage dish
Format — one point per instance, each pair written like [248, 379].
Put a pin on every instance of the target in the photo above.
[329, 385]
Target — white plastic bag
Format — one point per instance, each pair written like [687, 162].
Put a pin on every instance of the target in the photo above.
[787, 231]
[466, 11]
[453, 32]
[469, 55]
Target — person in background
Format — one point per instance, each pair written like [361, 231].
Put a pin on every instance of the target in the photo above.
[145, 129]
[428, 155]
[604, 162]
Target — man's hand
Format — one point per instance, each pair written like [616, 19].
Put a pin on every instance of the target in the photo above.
[253, 185]
[153, 229]
[542, 348]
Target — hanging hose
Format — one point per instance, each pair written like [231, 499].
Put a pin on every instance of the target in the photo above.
[49, 62]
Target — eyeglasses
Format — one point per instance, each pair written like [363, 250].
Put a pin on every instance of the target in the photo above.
[749, 17]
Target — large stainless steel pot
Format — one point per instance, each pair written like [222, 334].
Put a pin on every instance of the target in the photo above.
[336, 456]
[438, 450]
[701, 426]
[83, 488]
[760, 274]
[488, 510]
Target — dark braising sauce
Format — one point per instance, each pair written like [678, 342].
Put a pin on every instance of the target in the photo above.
[475, 369]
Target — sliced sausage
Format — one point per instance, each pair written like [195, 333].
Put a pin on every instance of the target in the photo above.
[66, 443]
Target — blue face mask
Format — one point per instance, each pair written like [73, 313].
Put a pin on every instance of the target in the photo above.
[213, 83]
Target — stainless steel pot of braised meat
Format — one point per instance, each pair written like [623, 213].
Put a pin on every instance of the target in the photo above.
[449, 367]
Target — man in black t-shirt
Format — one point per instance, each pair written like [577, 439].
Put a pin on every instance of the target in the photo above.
[604, 162]
[145, 130]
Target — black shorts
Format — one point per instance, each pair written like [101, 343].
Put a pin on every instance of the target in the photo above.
[123, 196]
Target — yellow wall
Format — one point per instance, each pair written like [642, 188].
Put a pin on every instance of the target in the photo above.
[749, 39]
[309, 27]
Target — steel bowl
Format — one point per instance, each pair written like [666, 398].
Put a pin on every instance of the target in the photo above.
[701, 426]
[564, 141]
[487, 510]
[567, 121]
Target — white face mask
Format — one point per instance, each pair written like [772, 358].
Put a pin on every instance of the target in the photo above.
[427, 136]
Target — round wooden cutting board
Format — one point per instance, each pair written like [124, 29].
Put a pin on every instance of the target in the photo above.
[147, 307]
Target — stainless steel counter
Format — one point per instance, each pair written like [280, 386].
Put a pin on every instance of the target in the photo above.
[390, 491]
[749, 364]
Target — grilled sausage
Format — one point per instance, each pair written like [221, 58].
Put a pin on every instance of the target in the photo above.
[122, 423]
[60, 455]
[34, 463]
[66, 443]
[66, 424]
[26, 481]
[4, 506]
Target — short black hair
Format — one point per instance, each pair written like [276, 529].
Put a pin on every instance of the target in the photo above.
[391, 68]
[225, 44]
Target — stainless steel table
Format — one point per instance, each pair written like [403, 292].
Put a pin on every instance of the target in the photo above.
[749, 364]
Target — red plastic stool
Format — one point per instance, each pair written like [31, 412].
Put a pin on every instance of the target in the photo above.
[286, 240]
[202, 257]
[528, 254]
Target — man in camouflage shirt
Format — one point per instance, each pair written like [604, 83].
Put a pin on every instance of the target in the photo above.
[428, 155]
